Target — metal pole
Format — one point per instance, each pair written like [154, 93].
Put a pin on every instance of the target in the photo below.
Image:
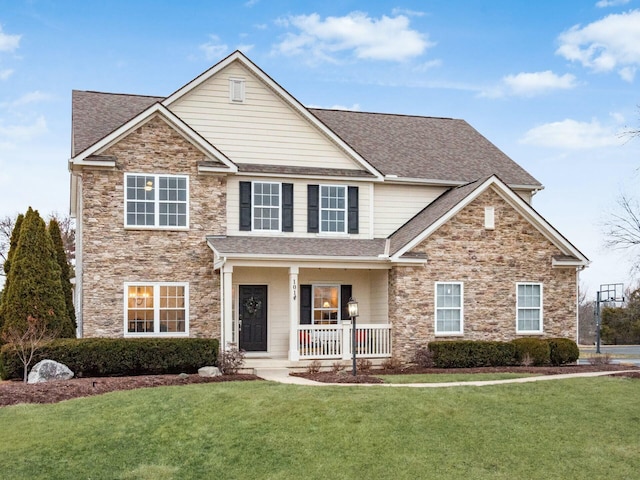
[598, 321]
[353, 343]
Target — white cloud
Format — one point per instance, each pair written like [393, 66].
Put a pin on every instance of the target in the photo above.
[531, 84]
[354, 108]
[214, 50]
[572, 135]
[612, 43]
[31, 97]
[369, 38]
[4, 74]
[611, 3]
[8, 43]
[245, 48]
[407, 12]
[18, 133]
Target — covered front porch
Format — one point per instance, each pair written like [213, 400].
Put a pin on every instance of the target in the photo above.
[290, 313]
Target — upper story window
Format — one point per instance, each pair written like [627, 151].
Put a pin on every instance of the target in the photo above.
[266, 206]
[157, 309]
[529, 308]
[332, 209]
[156, 201]
[449, 318]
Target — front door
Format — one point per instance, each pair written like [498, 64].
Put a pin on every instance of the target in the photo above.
[253, 318]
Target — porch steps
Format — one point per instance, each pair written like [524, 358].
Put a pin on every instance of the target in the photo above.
[252, 365]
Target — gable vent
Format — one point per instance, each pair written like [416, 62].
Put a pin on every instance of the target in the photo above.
[489, 218]
[236, 90]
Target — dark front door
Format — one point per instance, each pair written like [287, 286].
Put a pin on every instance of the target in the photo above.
[253, 318]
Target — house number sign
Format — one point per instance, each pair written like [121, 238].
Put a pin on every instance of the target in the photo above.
[294, 287]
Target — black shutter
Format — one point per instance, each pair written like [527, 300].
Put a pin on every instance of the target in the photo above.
[345, 295]
[353, 209]
[287, 207]
[245, 206]
[305, 304]
[313, 213]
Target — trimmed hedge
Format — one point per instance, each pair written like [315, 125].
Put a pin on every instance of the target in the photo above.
[536, 349]
[563, 351]
[470, 354]
[105, 357]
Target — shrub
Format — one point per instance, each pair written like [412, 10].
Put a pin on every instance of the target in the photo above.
[535, 349]
[314, 366]
[423, 357]
[471, 354]
[337, 367]
[563, 351]
[604, 359]
[391, 363]
[229, 361]
[363, 365]
[104, 357]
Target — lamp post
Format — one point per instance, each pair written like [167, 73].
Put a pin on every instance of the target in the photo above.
[352, 307]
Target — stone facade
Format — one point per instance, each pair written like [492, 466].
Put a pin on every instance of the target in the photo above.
[489, 263]
[113, 255]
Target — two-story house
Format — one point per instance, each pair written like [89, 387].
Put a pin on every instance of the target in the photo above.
[230, 210]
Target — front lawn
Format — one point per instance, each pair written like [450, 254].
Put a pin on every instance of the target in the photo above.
[572, 429]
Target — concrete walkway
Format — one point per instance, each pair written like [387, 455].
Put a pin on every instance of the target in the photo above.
[281, 375]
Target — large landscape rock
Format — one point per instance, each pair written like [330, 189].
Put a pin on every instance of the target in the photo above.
[47, 370]
[209, 372]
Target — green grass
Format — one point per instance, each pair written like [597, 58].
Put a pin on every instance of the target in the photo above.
[450, 377]
[572, 429]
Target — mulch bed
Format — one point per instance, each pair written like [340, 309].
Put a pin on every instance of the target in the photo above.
[345, 376]
[14, 391]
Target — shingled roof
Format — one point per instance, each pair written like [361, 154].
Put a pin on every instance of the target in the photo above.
[94, 115]
[431, 148]
[438, 149]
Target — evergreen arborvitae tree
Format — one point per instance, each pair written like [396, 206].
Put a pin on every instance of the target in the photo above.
[34, 287]
[13, 243]
[65, 268]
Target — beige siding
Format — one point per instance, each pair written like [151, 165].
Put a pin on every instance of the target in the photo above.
[395, 204]
[379, 296]
[299, 205]
[262, 130]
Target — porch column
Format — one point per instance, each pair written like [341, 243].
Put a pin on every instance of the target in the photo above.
[294, 313]
[226, 335]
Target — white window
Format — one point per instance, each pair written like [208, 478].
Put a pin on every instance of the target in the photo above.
[156, 309]
[236, 90]
[266, 206]
[333, 209]
[449, 317]
[156, 201]
[326, 304]
[529, 308]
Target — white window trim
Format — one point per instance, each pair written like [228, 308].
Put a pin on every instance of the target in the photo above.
[313, 296]
[156, 296]
[156, 225]
[541, 308]
[253, 206]
[242, 83]
[346, 210]
[436, 308]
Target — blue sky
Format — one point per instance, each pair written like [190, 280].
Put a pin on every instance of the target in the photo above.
[552, 84]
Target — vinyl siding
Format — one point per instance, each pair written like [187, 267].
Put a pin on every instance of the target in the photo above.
[299, 205]
[394, 205]
[262, 130]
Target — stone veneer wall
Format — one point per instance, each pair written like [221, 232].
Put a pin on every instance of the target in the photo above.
[489, 263]
[113, 255]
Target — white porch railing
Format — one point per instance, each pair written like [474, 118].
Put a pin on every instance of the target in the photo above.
[334, 341]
